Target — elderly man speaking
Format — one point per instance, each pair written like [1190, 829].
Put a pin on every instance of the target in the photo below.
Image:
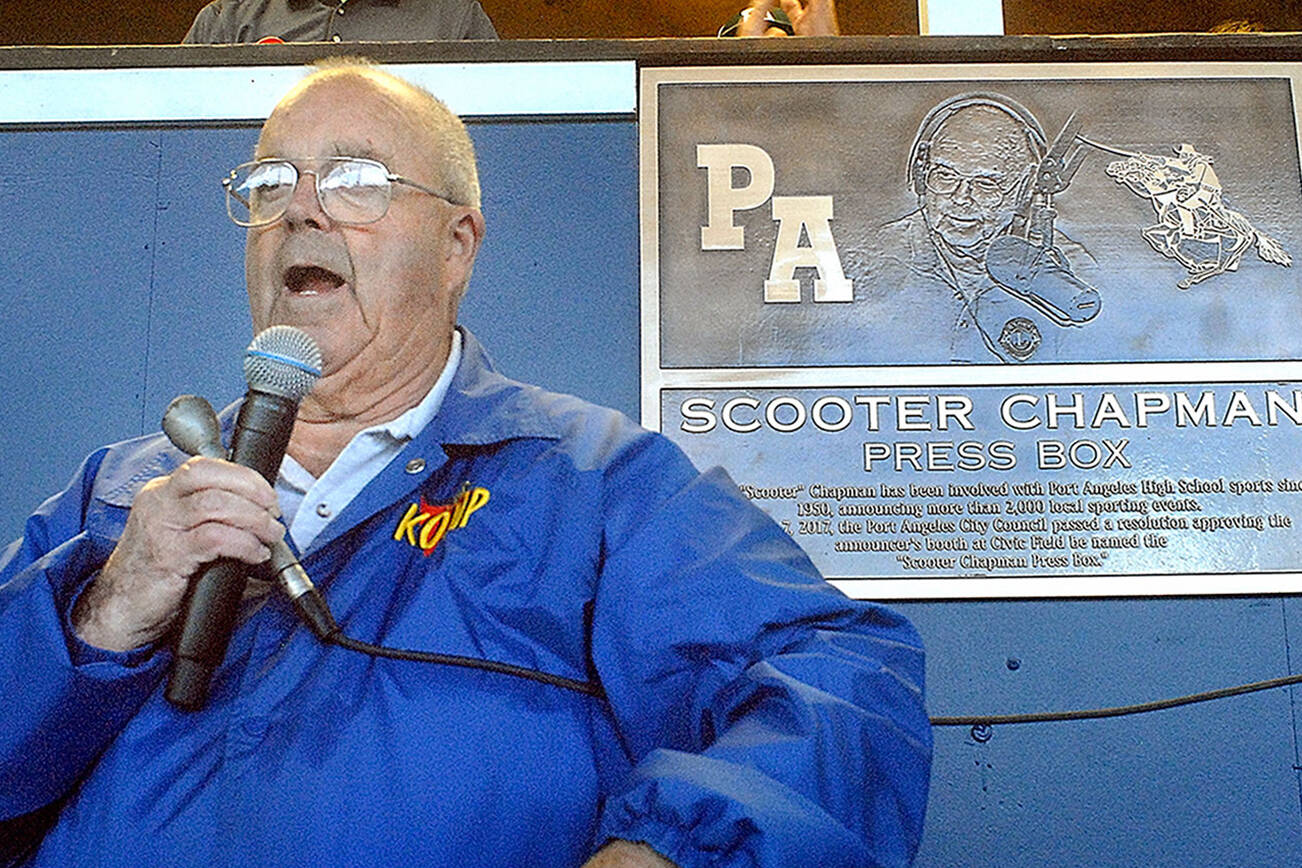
[737, 711]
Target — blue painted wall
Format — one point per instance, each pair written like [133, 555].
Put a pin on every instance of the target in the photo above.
[122, 287]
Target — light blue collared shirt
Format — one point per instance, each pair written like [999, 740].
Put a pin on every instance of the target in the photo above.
[309, 503]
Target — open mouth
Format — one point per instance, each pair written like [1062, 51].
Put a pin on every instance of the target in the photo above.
[311, 280]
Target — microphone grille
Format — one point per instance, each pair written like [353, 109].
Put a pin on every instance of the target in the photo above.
[282, 360]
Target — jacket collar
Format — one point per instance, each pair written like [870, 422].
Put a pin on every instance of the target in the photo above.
[481, 408]
[484, 407]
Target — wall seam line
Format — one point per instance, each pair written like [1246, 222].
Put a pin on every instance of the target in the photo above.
[153, 265]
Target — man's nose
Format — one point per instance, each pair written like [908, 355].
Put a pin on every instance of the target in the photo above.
[963, 192]
[304, 206]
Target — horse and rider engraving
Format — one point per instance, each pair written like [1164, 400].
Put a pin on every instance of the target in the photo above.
[1194, 225]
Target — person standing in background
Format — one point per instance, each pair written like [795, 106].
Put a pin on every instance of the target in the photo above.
[271, 21]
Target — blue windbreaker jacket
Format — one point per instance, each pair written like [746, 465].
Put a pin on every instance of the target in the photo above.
[753, 715]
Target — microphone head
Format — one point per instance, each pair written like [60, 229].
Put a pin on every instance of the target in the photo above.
[284, 361]
[192, 426]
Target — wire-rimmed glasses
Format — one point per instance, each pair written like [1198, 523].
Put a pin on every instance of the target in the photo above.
[985, 190]
[350, 190]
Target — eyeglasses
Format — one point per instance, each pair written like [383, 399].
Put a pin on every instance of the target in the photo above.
[984, 190]
[350, 190]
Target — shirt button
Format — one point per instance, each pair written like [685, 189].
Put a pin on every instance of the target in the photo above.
[323, 510]
[416, 465]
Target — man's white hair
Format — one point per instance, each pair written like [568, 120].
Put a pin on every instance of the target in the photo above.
[453, 153]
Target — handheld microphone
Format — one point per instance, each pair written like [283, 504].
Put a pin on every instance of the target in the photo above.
[280, 366]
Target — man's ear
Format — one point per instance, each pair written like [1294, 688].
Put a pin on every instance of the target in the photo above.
[465, 233]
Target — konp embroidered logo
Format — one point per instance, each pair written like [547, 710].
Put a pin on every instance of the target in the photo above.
[424, 525]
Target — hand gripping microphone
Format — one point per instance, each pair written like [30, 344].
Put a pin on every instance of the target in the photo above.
[280, 366]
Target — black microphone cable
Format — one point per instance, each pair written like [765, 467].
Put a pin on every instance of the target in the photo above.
[315, 613]
[1115, 711]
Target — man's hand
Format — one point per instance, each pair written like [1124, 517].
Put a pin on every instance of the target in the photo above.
[808, 18]
[626, 854]
[204, 510]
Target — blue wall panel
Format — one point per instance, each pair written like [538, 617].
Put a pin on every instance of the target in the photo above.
[75, 297]
[1204, 785]
[200, 321]
[555, 292]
